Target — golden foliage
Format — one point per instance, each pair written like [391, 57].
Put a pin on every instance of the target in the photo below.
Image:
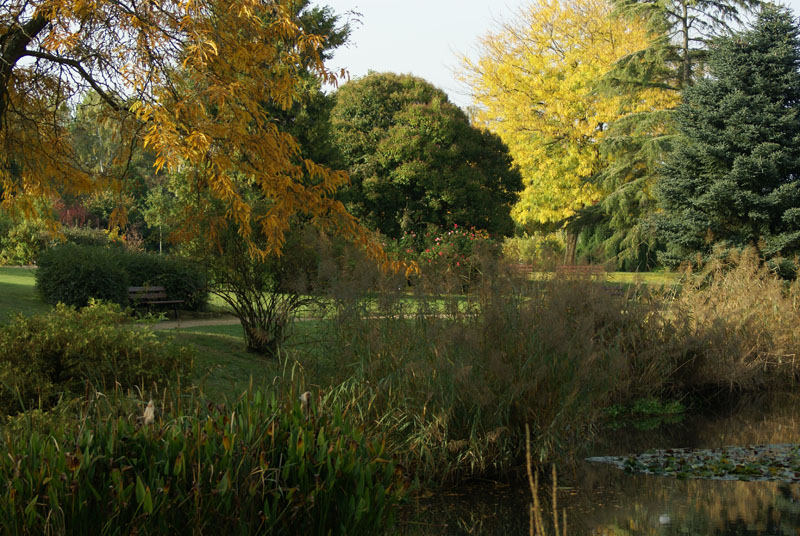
[193, 81]
[535, 85]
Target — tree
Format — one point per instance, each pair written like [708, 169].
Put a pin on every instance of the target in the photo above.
[415, 160]
[680, 30]
[734, 177]
[194, 82]
[535, 85]
[636, 143]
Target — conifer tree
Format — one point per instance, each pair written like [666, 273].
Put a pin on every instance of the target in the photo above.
[636, 143]
[734, 177]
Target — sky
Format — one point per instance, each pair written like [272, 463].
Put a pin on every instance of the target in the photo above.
[423, 37]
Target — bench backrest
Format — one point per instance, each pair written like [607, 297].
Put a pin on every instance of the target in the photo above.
[581, 270]
[147, 293]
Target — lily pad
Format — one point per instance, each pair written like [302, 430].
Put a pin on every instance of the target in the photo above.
[780, 462]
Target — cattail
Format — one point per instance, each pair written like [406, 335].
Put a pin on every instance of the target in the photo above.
[149, 413]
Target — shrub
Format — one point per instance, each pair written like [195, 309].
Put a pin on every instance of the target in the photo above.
[264, 467]
[453, 257]
[88, 236]
[545, 251]
[74, 274]
[23, 243]
[45, 355]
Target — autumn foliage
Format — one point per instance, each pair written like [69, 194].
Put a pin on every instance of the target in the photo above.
[191, 80]
[536, 86]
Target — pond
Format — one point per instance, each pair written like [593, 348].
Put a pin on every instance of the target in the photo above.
[600, 499]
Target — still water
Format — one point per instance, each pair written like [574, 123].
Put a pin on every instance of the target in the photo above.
[601, 500]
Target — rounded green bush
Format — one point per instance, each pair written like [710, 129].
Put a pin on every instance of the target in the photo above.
[73, 274]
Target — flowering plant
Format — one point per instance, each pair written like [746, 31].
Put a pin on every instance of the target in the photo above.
[451, 252]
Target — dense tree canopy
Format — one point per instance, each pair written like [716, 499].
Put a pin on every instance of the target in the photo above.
[536, 86]
[672, 58]
[195, 81]
[734, 177]
[415, 160]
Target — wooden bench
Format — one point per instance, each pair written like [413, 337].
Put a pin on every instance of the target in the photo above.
[521, 269]
[572, 271]
[150, 296]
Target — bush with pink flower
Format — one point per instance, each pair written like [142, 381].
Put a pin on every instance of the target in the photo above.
[456, 253]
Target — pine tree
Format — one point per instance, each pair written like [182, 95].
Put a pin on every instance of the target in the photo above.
[635, 144]
[733, 178]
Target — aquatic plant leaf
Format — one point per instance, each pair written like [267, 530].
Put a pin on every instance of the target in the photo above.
[777, 462]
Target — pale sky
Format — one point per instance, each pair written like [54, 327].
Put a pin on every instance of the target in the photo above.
[422, 37]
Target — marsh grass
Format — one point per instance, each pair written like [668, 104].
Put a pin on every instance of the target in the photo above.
[264, 465]
[740, 325]
[453, 380]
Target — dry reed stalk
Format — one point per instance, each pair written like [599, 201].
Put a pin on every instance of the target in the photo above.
[536, 525]
[555, 500]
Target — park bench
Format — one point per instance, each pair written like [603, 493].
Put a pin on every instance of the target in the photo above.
[591, 271]
[152, 296]
[581, 271]
[521, 269]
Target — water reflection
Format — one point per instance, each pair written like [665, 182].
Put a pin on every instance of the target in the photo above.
[602, 500]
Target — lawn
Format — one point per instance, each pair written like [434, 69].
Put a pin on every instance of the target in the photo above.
[647, 278]
[18, 294]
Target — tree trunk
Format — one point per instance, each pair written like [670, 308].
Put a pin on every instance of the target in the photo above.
[571, 247]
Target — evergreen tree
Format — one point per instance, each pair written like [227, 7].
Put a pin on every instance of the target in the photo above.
[635, 144]
[733, 176]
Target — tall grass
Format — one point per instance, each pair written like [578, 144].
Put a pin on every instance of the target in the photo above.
[268, 465]
[453, 380]
[740, 325]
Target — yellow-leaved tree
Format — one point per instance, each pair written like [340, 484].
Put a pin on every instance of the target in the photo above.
[535, 83]
[193, 81]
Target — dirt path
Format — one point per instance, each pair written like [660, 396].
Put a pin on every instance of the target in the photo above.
[194, 322]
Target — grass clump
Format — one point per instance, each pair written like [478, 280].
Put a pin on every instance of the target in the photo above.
[740, 325]
[453, 381]
[268, 465]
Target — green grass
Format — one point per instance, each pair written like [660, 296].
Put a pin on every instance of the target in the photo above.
[18, 293]
[224, 369]
[647, 278]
